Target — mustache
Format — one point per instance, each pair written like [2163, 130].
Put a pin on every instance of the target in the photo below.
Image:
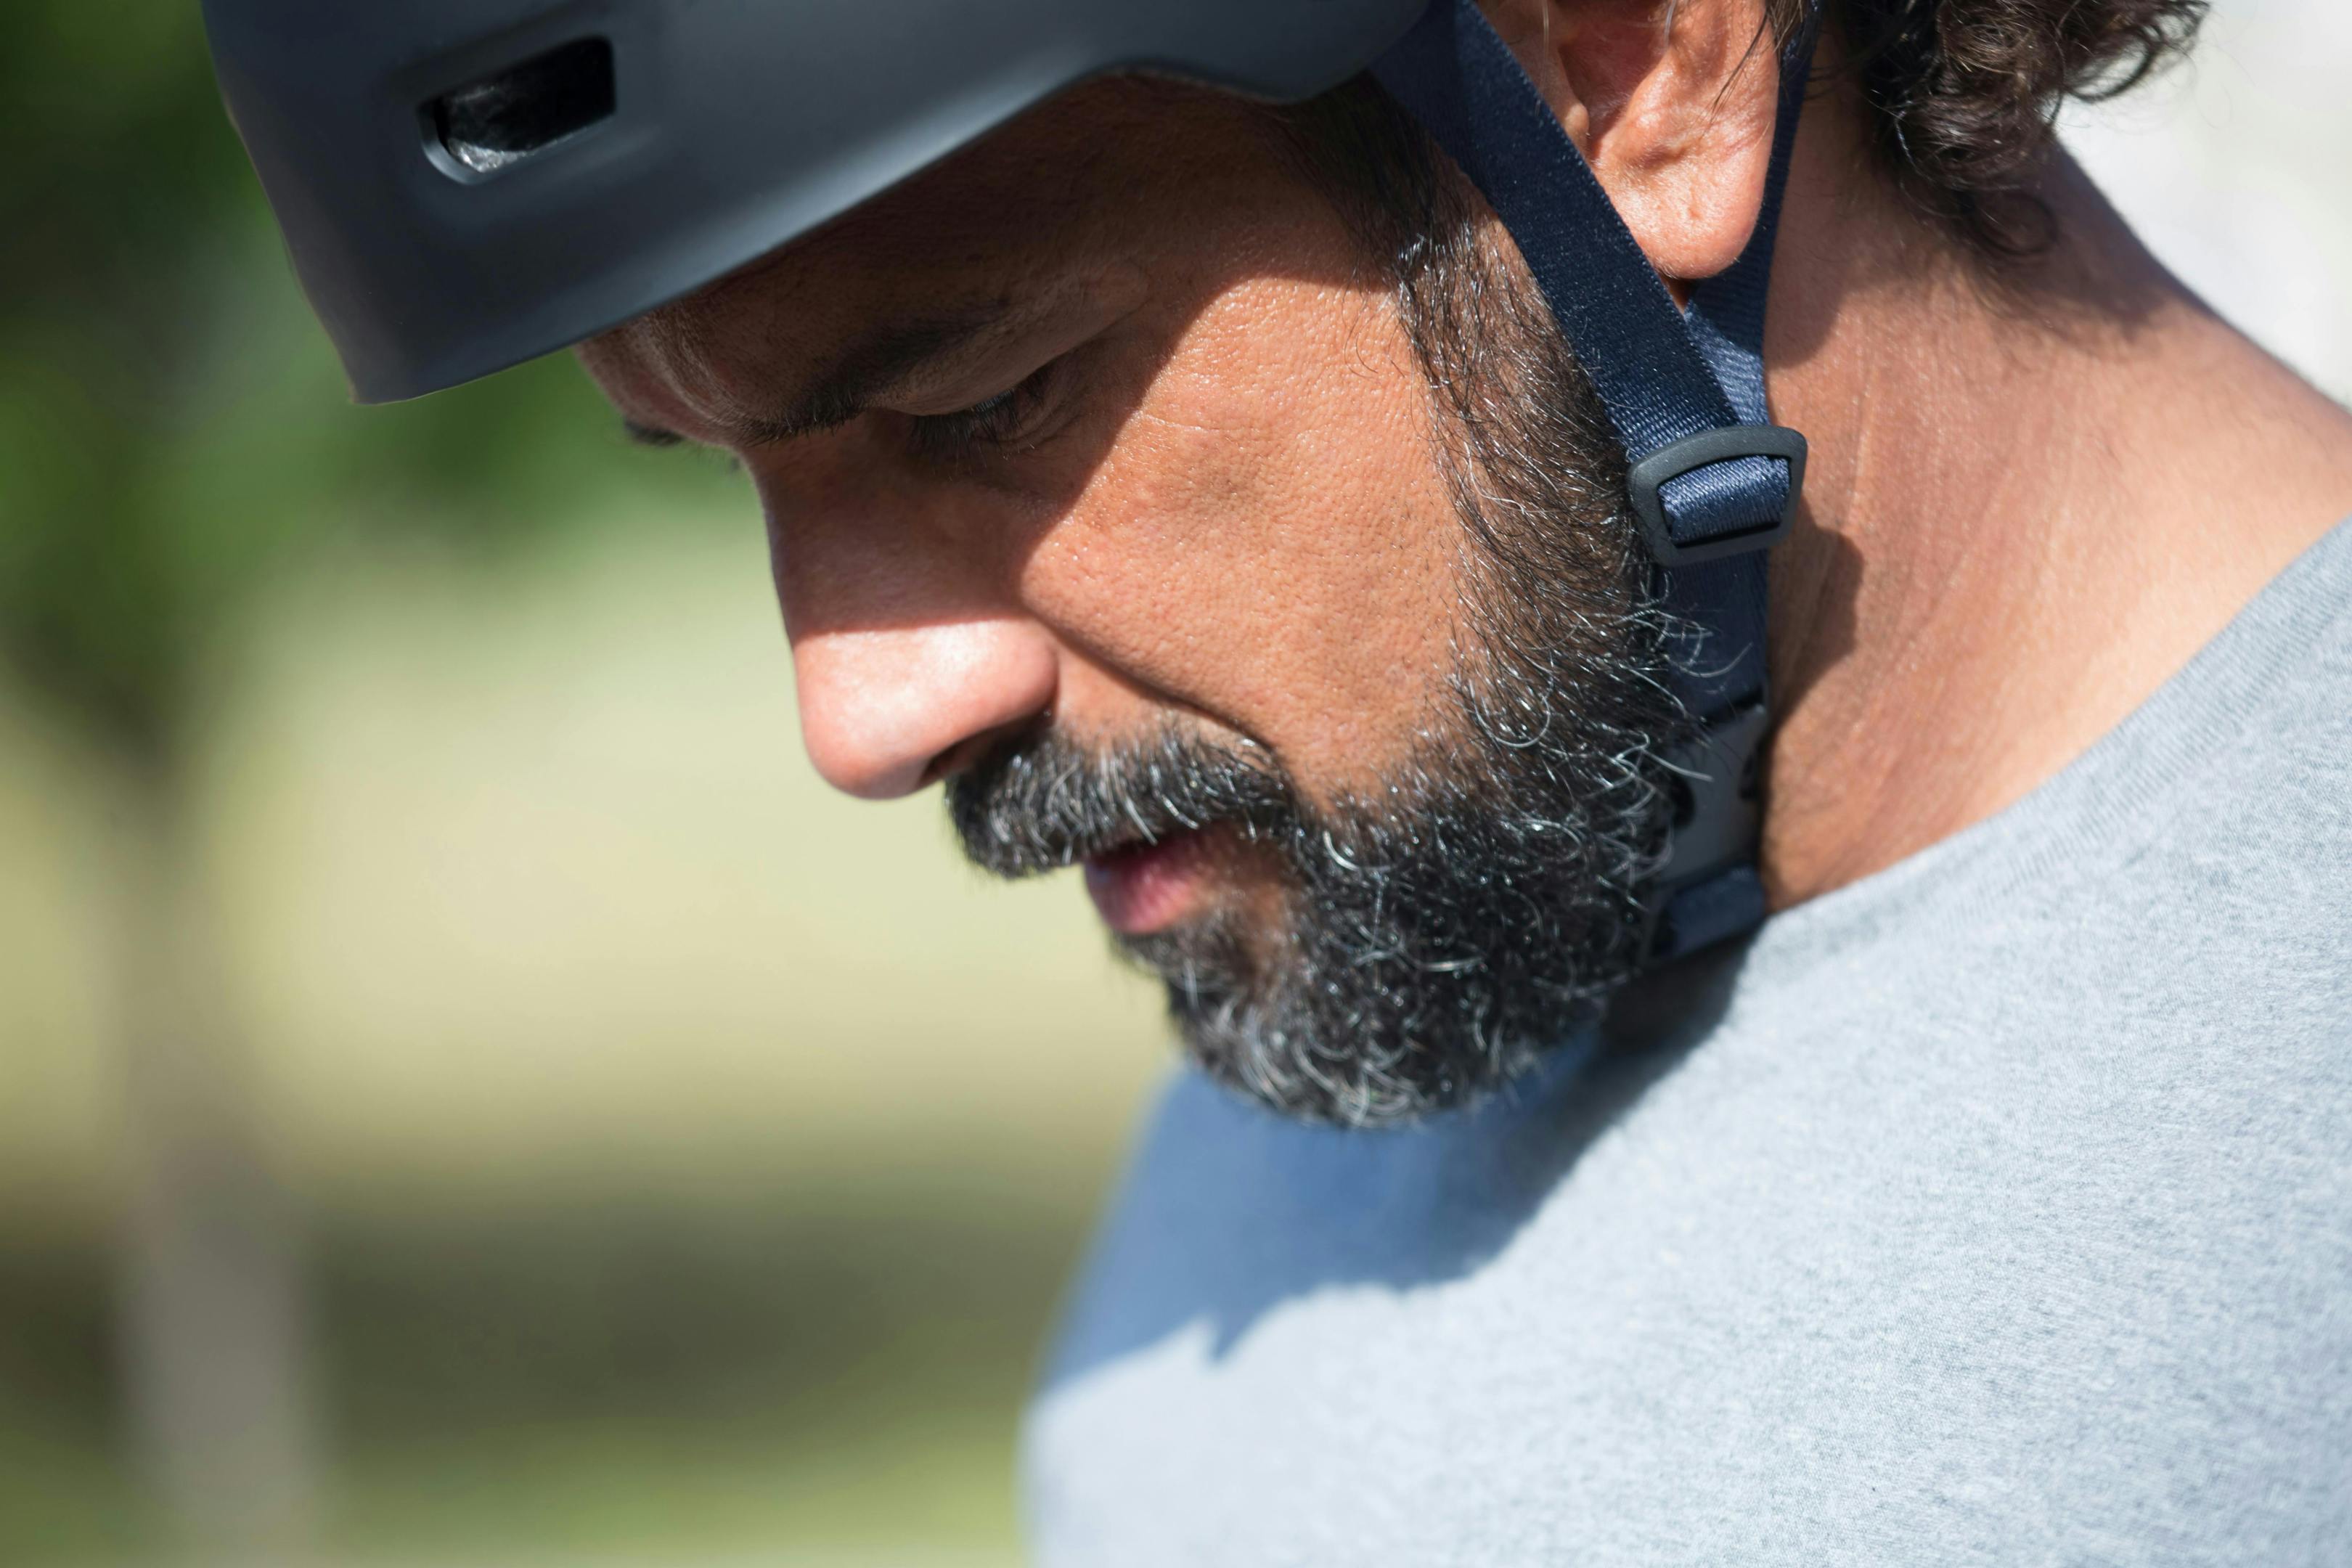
[1043, 802]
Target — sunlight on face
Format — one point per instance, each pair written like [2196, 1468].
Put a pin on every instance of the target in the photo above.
[1118, 498]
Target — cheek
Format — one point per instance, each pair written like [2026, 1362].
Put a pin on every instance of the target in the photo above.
[1270, 539]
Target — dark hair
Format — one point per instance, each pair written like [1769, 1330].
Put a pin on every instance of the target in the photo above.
[1963, 98]
[1964, 94]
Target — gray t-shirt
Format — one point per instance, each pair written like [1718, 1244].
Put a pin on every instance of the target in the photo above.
[1997, 1209]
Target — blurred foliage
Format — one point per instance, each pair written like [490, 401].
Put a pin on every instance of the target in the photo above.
[176, 445]
[172, 427]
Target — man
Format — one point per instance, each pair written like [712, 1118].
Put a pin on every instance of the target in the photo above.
[1254, 504]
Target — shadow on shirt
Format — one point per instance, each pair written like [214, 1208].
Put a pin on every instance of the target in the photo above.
[1230, 1212]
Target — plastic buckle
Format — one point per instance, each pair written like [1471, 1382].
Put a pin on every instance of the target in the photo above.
[1647, 478]
[1717, 776]
[1717, 773]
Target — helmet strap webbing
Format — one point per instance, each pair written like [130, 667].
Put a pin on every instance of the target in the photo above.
[1711, 481]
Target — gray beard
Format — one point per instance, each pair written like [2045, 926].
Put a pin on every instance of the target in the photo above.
[1440, 931]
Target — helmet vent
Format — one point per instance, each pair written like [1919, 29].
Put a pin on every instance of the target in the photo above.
[500, 121]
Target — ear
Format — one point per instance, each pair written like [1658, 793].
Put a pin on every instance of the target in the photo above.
[1672, 103]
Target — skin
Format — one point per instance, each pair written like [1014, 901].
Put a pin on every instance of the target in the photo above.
[2029, 504]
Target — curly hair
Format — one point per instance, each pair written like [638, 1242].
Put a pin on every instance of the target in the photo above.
[1964, 95]
[1963, 98]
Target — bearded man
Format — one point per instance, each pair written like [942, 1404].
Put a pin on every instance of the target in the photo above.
[1691, 1067]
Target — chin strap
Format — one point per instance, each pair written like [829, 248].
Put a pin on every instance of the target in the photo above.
[1712, 482]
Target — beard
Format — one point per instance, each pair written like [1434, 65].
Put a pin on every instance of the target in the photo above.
[1437, 934]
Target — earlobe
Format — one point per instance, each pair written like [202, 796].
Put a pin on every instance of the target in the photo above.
[1672, 103]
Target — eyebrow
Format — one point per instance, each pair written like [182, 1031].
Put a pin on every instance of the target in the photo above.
[868, 371]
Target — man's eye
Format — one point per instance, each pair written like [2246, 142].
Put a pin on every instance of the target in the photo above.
[996, 424]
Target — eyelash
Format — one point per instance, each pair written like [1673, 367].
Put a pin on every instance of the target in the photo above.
[993, 425]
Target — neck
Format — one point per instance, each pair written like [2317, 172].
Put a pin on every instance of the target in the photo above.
[2029, 504]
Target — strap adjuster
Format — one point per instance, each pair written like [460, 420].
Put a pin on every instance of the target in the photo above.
[1645, 478]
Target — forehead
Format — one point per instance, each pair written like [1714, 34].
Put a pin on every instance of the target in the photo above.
[1098, 176]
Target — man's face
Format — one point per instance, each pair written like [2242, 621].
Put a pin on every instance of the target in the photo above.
[1106, 480]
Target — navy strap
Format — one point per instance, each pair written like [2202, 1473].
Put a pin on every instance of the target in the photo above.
[1710, 482]
[1708, 892]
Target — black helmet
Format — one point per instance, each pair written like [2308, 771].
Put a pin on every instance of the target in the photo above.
[467, 184]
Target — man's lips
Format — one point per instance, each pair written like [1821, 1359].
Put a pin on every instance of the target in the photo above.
[1147, 887]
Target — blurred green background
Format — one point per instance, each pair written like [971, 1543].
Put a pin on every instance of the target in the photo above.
[468, 1093]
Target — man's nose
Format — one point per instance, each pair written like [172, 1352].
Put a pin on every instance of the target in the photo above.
[882, 710]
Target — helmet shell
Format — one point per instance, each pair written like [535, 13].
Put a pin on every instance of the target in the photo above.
[464, 185]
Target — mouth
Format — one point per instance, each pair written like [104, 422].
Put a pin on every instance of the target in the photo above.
[1143, 888]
